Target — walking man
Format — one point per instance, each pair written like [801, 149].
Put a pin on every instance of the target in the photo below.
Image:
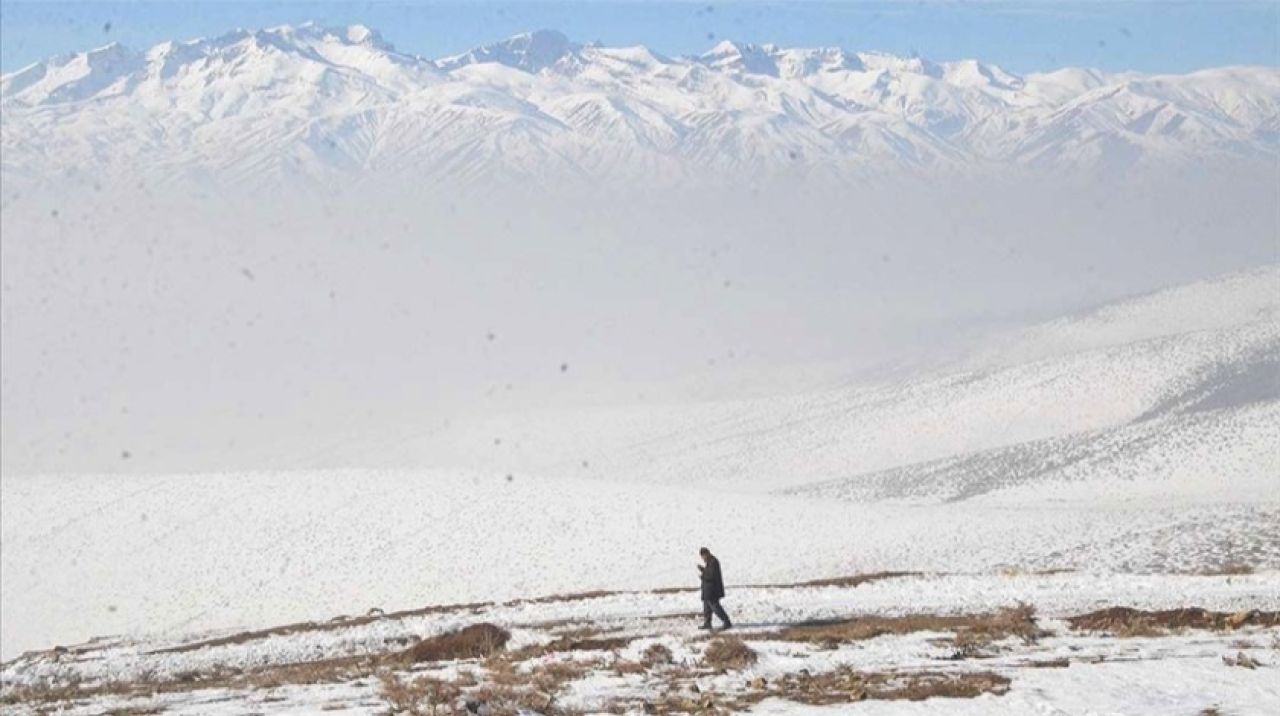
[712, 589]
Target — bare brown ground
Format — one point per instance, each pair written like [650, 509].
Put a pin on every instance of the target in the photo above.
[332, 624]
[849, 685]
[838, 687]
[564, 644]
[656, 655]
[422, 696]
[1123, 621]
[1230, 569]
[855, 580]
[473, 642]
[313, 672]
[1013, 621]
[728, 652]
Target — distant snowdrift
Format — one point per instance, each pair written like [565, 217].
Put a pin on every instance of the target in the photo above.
[311, 105]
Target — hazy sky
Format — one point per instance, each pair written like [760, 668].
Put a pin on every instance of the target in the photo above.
[1021, 36]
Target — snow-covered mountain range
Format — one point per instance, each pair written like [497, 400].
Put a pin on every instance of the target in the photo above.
[322, 104]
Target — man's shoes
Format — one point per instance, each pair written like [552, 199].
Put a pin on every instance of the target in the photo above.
[727, 626]
[705, 626]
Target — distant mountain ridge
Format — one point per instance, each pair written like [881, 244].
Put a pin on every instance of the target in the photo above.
[322, 104]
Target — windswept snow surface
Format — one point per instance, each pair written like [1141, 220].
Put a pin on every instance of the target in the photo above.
[1153, 455]
[334, 105]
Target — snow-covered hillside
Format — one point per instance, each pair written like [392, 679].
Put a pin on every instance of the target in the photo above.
[1078, 450]
[324, 104]
[1178, 389]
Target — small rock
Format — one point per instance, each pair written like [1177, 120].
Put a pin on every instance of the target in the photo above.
[1241, 659]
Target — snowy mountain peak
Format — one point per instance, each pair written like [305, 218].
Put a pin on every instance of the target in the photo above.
[771, 60]
[71, 78]
[308, 35]
[742, 57]
[529, 51]
[913, 65]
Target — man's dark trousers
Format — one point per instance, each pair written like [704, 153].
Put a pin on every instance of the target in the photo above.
[712, 606]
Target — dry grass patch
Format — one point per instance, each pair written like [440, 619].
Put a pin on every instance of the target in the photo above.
[335, 623]
[576, 640]
[624, 667]
[572, 597]
[703, 704]
[848, 685]
[1126, 622]
[551, 676]
[502, 670]
[312, 672]
[423, 696]
[853, 580]
[970, 629]
[1061, 662]
[588, 644]
[477, 641]
[1230, 569]
[507, 690]
[728, 653]
[146, 685]
[675, 615]
[656, 655]
[838, 687]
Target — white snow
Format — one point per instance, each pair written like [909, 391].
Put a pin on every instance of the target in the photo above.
[251, 106]
[1155, 455]
[1169, 669]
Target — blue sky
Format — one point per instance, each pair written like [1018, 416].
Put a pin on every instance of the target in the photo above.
[1021, 36]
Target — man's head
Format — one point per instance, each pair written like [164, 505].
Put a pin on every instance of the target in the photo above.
[706, 554]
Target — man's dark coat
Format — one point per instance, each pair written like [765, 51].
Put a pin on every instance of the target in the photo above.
[712, 582]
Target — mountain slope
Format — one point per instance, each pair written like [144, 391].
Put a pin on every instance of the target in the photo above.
[1123, 441]
[1193, 364]
[327, 104]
